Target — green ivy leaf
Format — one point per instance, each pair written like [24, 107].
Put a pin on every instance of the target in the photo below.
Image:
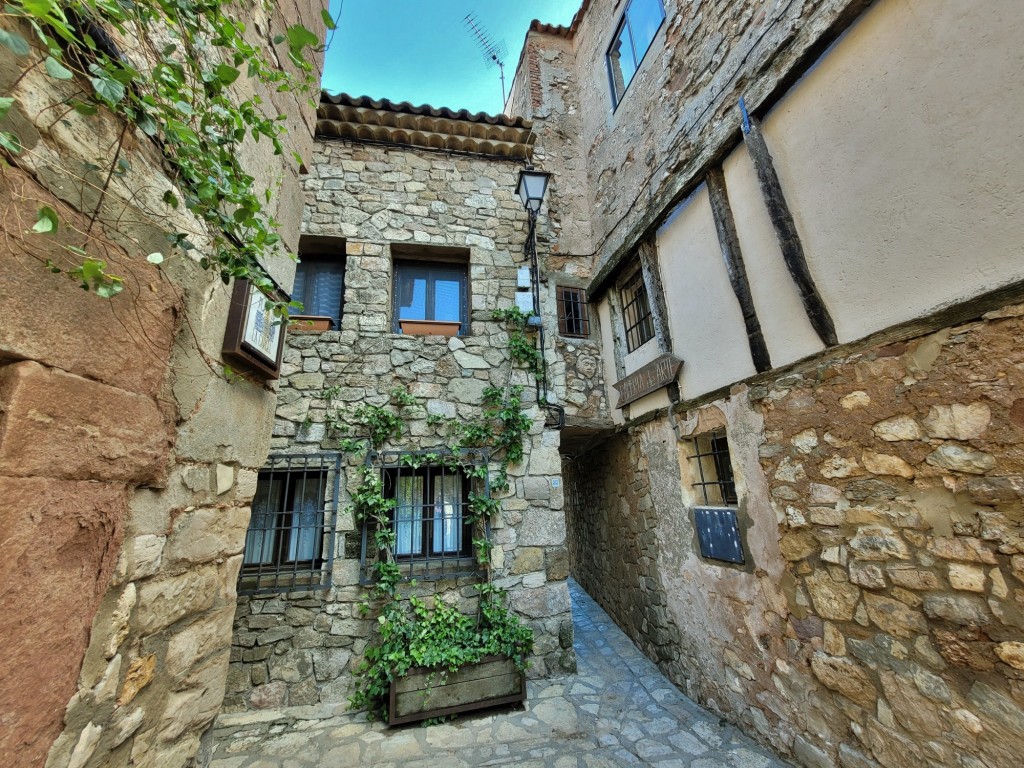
[57, 70]
[111, 289]
[328, 19]
[227, 74]
[299, 37]
[108, 89]
[6, 102]
[84, 108]
[47, 222]
[155, 258]
[147, 125]
[17, 44]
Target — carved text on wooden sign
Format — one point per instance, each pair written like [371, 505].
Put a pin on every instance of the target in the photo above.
[653, 376]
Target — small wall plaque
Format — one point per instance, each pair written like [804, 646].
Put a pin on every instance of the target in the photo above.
[652, 377]
[254, 337]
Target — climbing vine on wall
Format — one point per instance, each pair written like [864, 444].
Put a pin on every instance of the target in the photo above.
[174, 72]
[411, 632]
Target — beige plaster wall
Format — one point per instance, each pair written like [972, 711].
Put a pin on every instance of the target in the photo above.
[787, 331]
[899, 153]
[704, 316]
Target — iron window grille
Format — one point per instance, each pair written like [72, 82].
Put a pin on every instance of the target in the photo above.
[718, 533]
[573, 312]
[432, 518]
[289, 546]
[716, 486]
[320, 286]
[429, 291]
[636, 311]
[634, 34]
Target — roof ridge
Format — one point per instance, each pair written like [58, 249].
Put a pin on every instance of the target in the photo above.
[367, 102]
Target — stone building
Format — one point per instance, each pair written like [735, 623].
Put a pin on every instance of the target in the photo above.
[411, 214]
[797, 225]
[127, 461]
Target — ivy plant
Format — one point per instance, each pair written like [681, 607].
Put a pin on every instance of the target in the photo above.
[169, 71]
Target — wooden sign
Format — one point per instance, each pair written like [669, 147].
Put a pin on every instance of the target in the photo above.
[254, 337]
[652, 377]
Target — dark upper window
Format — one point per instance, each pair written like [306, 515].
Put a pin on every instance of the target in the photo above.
[634, 35]
[573, 316]
[636, 312]
[320, 286]
[290, 539]
[431, 291]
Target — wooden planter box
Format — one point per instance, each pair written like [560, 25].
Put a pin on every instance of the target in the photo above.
[429, 327]
[423, 692]
[310, 323]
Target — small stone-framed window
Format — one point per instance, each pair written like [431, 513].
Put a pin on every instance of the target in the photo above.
[320, 279]
[289, 546]
[435, 530]
[431, 290]
[633, 36]
[573, 311]
[714, 485]
[636, 311]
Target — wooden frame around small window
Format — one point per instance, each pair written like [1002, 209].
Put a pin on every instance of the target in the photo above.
[254, 337]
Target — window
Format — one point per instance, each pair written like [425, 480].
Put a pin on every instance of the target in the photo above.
[634, 35]
[573, 318]
[716, 521]
[429, 291]
[712, 464]
[320, 286]
[290, 542]
[636, 312]
[431, 519]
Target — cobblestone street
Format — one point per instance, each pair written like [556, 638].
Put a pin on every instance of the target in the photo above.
[617, 711]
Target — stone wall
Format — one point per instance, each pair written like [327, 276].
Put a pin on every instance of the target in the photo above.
[878, 618]
[300, 648]
[127, 463]
[679, 113]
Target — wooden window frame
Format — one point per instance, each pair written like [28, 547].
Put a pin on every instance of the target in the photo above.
[637, 316]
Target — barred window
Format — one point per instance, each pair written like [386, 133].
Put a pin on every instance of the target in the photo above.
[713, 466]
[289, 546]
[573, 315]
[636, 311]
[718, 532]
[431, 519]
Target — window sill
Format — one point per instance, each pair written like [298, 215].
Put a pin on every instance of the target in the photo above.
[433, 569]
[429, 328]
[310, 324]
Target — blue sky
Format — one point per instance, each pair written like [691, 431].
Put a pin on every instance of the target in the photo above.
[421, 51]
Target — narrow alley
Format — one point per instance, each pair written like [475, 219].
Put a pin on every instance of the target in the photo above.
[617, 711]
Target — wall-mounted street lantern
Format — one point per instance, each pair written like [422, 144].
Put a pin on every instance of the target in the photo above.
[532, 186]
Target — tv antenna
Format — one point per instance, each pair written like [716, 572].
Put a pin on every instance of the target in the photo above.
[494, 53]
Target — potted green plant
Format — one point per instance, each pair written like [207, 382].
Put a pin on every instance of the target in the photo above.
[433, 661]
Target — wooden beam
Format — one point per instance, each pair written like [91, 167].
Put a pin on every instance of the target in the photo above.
[785, 230]
[651, 267]
[729, 241]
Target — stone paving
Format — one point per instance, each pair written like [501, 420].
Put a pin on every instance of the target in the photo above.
[617, 711]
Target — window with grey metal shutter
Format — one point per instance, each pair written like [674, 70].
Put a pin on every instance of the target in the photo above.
[320, 286]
